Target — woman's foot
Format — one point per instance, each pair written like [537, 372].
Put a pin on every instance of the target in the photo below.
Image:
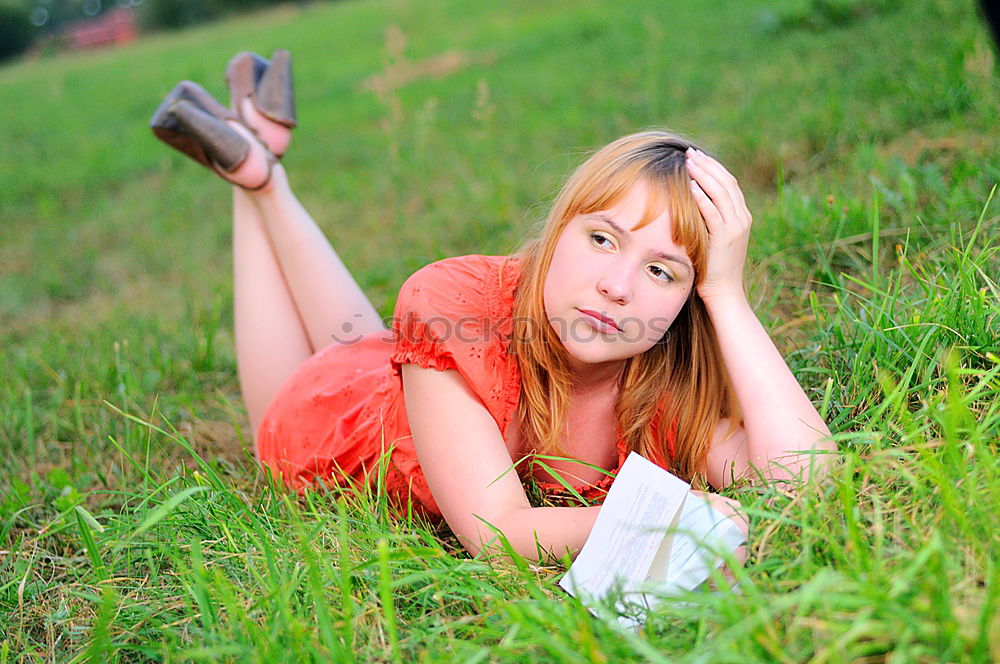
[255, 172]
[261, 95]
[191, 121]
[275, 136]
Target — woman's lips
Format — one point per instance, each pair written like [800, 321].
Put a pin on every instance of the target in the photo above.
[600, 322]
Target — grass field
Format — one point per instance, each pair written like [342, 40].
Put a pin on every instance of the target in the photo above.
[133, 526]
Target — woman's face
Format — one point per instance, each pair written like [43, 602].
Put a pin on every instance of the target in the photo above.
[612, 292]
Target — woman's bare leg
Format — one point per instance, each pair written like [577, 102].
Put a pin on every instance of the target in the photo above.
[330, 303]
[271, 342]
[292, 295]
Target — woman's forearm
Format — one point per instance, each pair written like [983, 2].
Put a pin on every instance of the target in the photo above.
[779, 419]
[542, 533]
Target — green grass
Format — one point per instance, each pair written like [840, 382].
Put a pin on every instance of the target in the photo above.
[133, 526]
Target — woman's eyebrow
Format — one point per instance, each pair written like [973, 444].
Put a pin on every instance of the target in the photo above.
[659, 254]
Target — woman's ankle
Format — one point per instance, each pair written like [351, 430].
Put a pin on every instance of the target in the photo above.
[276, 187]
[254, 173]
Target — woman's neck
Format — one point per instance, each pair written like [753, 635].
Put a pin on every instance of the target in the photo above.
[589, 378]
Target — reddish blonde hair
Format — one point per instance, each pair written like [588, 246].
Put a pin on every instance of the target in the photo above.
[681, 379]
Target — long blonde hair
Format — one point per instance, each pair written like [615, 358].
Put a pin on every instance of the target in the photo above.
[681, 382]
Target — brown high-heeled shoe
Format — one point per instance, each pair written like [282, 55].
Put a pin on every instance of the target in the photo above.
[193, 122]
[267, 84]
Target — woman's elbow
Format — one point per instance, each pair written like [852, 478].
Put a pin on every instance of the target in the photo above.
[802, 466]
[485, 536]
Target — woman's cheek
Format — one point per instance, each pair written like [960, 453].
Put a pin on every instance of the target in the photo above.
[646, 332]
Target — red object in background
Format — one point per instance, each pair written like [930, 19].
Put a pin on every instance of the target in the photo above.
[116, 26]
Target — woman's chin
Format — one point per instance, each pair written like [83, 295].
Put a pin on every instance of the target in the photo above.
[592, 354]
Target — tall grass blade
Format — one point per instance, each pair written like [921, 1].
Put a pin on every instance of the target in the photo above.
[165, 509]
[83, 524]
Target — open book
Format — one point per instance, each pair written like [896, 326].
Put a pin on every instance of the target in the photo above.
[652, 538]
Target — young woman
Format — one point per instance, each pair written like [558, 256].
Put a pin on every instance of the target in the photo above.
[624, 327]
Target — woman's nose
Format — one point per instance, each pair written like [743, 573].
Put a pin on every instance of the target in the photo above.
[615, 287]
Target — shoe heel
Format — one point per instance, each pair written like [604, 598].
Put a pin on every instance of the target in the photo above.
[243, 74]
[222, 146]
[274, 96]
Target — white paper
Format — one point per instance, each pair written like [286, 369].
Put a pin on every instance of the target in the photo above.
[702, 534]
[652, 537]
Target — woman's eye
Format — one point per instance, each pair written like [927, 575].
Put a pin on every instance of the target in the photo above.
[659, 273]
[601, 241]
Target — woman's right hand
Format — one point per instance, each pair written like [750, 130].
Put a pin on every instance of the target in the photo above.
[732, 510]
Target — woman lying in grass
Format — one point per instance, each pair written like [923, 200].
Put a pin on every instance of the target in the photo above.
[624, 327]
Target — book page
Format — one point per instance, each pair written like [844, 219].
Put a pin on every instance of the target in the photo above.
[652, 538]
[628, 532]
[702, 533]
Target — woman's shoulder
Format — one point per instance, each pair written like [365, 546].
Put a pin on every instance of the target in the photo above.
[470, 284]
[474, 269]
[456, 313]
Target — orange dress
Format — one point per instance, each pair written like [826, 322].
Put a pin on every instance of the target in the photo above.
[343, 408]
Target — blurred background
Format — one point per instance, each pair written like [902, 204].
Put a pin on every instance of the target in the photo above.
[43, 27]
[433, 129]
[440, 128]
[864, 134]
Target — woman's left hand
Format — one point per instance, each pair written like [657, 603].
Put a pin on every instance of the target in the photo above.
[728, 220]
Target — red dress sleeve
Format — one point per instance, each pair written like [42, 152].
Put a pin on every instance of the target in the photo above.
[454, 314]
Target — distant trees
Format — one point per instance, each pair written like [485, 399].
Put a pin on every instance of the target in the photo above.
[176, 13]
[46, 20]
[23, 22]
[16, 31]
